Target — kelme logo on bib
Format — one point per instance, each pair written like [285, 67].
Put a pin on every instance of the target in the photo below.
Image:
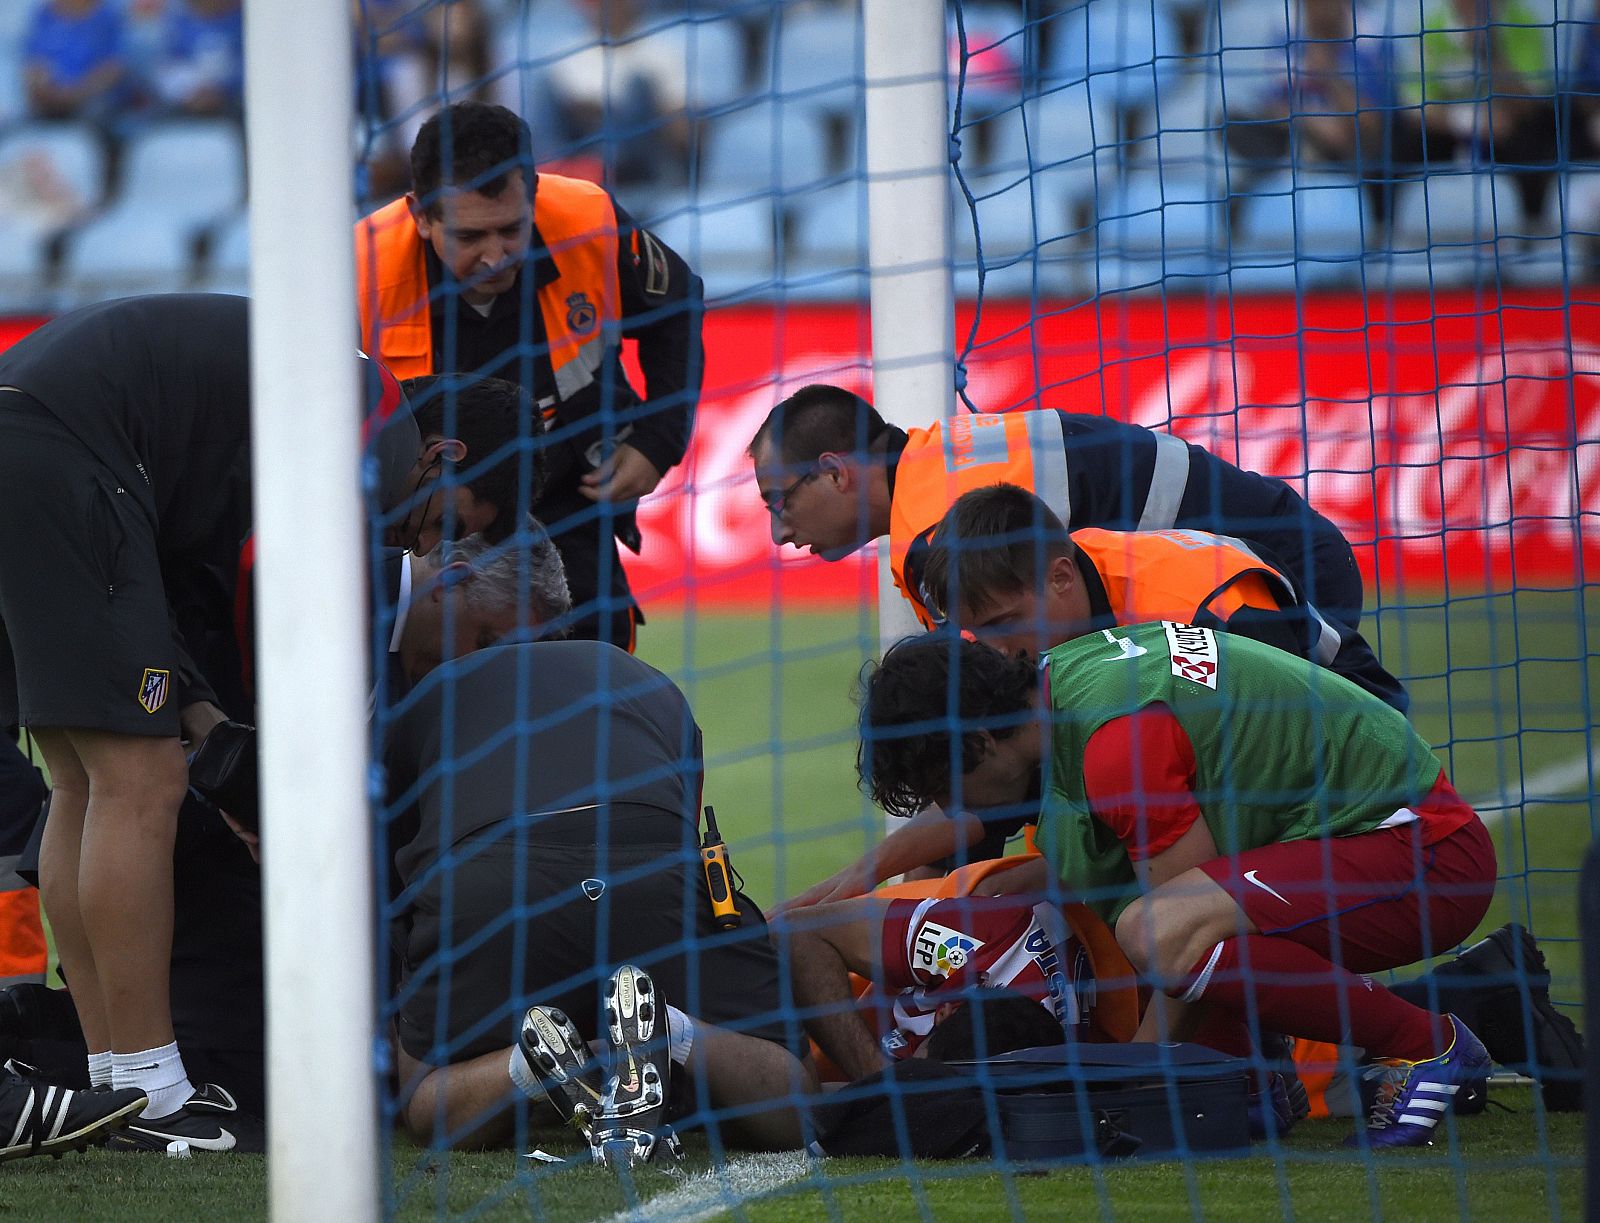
[1194, 653]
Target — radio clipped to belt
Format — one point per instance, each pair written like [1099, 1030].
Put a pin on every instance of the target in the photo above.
[719, 875]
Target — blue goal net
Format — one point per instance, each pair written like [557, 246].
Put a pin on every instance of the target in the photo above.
[1313, 286]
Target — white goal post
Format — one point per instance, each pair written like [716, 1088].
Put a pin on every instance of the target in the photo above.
[311, 551]
[311, 623]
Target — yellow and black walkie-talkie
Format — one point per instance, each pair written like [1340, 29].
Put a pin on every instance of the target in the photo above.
[719, 875]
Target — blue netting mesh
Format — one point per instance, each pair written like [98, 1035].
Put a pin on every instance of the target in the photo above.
[1347, 247]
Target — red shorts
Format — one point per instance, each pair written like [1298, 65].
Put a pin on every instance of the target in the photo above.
[1373, 901]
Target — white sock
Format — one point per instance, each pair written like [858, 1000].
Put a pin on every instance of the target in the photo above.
[100, 1069]
[159, 1074]
[522, 1075]
[681, 1029]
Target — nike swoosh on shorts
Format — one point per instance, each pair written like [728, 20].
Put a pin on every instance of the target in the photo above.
[1250, 877]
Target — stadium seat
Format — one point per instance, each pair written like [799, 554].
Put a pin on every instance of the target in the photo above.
[52, 175]
[815, 56]
[1124, 49]
[189, 171]
[1312, 220]
[1059, 133]
[1027, 234]
[127, 250]
[768, 145]
[714, 61]
[733, 245]
[227, 268]
[1168, 219]
[828, 230]
[1456, 207]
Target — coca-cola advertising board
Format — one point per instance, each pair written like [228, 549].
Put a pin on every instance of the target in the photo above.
[1447, 432]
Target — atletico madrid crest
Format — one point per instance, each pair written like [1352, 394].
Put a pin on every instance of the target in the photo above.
[153, 689]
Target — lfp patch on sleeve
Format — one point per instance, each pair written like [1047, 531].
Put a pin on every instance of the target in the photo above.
[939, 951]
[1194, 653]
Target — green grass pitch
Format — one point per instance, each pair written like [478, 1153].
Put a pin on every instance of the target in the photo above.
[1506, 688]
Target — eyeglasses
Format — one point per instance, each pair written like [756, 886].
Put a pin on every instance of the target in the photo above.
[778, 502]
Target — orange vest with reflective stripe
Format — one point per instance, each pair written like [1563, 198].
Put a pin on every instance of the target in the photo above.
[577, 222]
[960, 454]
[1175, 575]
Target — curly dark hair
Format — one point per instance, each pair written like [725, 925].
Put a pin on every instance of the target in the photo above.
[929, 702]
[473, 146]
[496, 421]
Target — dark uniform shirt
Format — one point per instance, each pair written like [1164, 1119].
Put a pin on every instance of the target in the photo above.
[661, 310]
[1124, 478]
[158, 388]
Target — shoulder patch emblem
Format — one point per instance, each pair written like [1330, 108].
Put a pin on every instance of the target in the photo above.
[153, 689]
[1194, 653]
[657, 273]
[580, 313]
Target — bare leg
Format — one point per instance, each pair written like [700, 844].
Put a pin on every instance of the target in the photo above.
[469, 1104]
[824, 945]
[59, 854]
[124, 884]
[760, 1083]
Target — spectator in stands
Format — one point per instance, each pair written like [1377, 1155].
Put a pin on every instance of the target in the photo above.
[74, 60]
[407, 56]
[489, 268]
[201, 72]
[1485, 87]
[546, 812]
[1334, 106]
[1258, 833]
[626, 90]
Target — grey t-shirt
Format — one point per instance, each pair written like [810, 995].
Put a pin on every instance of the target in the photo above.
[547, 729]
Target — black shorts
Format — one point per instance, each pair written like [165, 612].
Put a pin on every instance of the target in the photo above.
[507, 927]
[85, 635]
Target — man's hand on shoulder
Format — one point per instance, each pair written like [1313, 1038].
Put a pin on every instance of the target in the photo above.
[626, 476]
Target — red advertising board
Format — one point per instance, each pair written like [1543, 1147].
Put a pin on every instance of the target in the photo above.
[1446, 433]
[1442, 433]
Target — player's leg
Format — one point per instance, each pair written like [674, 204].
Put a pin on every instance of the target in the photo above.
[136, 786]
[59, 852]
[1285, 933]
[755, 1086]
[468, 1104]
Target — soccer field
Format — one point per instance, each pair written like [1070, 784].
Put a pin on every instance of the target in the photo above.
[773, 696]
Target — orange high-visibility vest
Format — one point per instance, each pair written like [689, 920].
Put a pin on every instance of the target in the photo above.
[577, 222]
[1176, 575]
[960, 454]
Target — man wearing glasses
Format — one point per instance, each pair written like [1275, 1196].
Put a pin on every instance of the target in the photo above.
[835, 475]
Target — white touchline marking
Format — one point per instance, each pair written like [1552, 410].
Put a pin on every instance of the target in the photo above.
[716, 1191]
[1559, 783]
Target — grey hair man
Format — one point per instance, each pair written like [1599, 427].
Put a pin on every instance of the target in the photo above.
[468, 594]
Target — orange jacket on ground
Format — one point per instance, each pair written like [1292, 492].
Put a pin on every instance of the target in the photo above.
[23, 954]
